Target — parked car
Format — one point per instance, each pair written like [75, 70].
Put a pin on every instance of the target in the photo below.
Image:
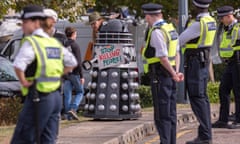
[9, 83]
[10, 49]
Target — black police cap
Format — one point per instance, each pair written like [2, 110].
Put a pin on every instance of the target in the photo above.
[202, 3]
[224, 10]
[152, 8]
[32, 11]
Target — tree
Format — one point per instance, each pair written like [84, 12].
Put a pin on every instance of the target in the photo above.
[113, 5]
[5, 6]
[70, 9]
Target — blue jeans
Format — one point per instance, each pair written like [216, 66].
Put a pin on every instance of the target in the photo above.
[72, 102]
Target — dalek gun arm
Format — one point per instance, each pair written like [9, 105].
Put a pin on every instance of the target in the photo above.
[87, 65]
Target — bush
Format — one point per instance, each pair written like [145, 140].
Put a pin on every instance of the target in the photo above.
[213, 92]
[9, 110]
[145, 96]
[218, 70]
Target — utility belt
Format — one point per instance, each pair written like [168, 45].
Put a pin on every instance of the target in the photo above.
[158, 69]
[43, 93]
[234, 59]
[202, 54]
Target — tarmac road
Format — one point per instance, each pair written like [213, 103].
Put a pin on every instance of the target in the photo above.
[142, 130]
[189, 131]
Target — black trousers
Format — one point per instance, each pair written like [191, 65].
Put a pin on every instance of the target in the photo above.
[197, 78]
[164, 100]
[230, 81]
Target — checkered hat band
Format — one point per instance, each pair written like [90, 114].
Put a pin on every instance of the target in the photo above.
[33, 14]
[152, 12]
[225, 13]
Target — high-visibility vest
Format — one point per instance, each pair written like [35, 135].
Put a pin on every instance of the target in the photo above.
[49, 57]
[228, 42]
[207, 34]
[189, 23]
[171, 38]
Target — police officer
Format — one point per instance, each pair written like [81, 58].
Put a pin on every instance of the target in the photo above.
[229, 50]
[49, 25]
[39, 65]
[162, 57]
[199, 37]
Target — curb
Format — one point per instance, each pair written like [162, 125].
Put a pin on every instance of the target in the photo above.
[135, 134]
[148, 128]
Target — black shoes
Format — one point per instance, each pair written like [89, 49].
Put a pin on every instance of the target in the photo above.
[234, 125]
[199, 141]
[232, 117]
[220, 124]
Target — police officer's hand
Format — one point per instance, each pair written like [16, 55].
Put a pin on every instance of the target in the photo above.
[181, 76]
[176, 78]
[26, 83]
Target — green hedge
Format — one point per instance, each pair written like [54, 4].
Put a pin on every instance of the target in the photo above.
[9, 110]
[213, 92]
[146, 97]
[218, 70]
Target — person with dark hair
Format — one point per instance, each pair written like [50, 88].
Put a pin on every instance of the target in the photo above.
[73, 80]
[198, 38]
[161, 53]
[229, 51]
[39, 65]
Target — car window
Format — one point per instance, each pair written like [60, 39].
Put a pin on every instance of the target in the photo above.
[2, 44]
[7, 72]
[12, 49]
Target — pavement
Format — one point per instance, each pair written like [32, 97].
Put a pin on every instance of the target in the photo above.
[121, 131]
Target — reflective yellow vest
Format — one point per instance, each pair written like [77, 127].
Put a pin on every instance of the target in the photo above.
[49, 56]
[207, 34]
[228, 42]
[188, 25]
[172, 41]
